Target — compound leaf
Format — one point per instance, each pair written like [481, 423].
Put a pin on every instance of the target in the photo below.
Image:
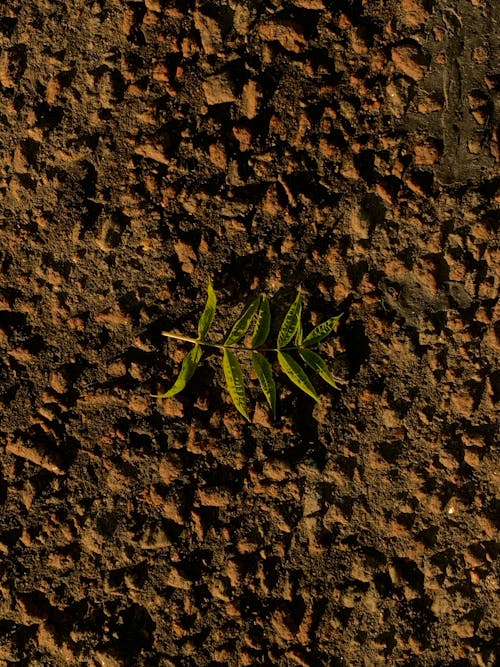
[188, 368]
[234, 380]
[321, 331]
[265, 374]
[315, 362]
[296, 374]
[263, 324]
[208, 314]
[242, 324]
[290, 322]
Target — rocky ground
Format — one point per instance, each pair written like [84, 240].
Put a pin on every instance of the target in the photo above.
[349, 148]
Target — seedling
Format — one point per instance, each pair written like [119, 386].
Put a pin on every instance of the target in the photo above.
[290, 339]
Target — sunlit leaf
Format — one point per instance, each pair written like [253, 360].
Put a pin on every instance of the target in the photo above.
[265, 374]
[296, 374]
[290, 322]
[242, 324]
[315, 362]
[208, 314]
[234, 380]
[321, 331]
[299, 334]
[262, 324]
[188, 367]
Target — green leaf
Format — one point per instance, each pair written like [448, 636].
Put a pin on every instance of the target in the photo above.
[265, 374]
[321, 331]
[315, 362]
[242, 324]
[263, 323]
[208, 314]
[290, 322]
[299, 334]
[296, 374]
[234, 380]
[188, 368]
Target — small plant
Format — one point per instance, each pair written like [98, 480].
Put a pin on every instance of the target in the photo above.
[290, 339]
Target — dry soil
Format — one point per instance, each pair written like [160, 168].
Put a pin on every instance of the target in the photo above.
[349, 148]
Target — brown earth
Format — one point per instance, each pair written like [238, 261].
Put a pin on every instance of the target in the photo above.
[350, 148]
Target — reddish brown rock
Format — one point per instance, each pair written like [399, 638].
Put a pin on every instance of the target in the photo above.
[410, 60]
[287, 33]
[218, 89]
[427, 153]
[414, 12]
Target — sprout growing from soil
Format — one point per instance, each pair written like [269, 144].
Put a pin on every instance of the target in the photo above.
[290, 341]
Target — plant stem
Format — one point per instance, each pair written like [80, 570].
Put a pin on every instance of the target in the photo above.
[221, 346]
[188, 339]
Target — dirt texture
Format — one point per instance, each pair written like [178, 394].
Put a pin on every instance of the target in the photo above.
[349, 148]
